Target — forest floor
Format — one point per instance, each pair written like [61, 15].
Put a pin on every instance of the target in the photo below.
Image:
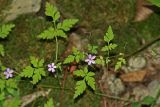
[95, 16]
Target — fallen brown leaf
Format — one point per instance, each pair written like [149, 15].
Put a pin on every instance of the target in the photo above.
[142, 10]
[136, 76]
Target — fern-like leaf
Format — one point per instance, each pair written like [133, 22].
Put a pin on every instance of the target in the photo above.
[109, 47]
[47, 34]
[155, 2]
[5, 29]
[69, 59]
[79, 73]
[67, 24]
[109, 35]
[1, 50]
[49, 103]
[119, 63]
[80, 88]
[27, 72]
[52, 11]
[90, 82]
[38, 73]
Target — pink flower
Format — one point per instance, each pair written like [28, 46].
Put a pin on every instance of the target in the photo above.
[90, 60]
[8, 73]
[51, 67]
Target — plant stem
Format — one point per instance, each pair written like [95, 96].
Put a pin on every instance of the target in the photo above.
[56, 49]
[108, 59]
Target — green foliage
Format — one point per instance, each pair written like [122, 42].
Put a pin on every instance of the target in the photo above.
[49, 103]
[8, 88]
[109, 47]
[80, 88]
[13, 102]
[5, 29]
[119, 63]
[35, 70]
[51, 33]
[136, 104]
[59, 28]
[52, 11]
[92, 49]
[155, 2]
[109, 36]
[1, 50]
[69, 59]
[67, 24]
[75, 56]
[100, 61]
[148, 100]
[87, 79]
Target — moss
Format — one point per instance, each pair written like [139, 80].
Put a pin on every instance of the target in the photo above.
[95, 16]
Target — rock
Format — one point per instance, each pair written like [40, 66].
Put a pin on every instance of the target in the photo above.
[19, 7]
[135, 64]
[154, 89]
[154, 54]
[75, 41]
[140, 92]
[115, 85]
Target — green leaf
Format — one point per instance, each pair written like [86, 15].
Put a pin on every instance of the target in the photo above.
[69, 59]
[100, 61]
[2, 96]
[136, 104]
[109, 35]
[59, 33]
[79, 73]
[107, 60]
[34, 61]
[78, 55]
[40, 63]
[36, 78]
[1, 50]
[148, 100]
[67, 24]
[5, 29]
[49, 103]
[35, 72]
[37, 75]
[155, 2]
[85, 70]
[11, 83]
[90, 74]
[47, 34]
[27, 72]
[119, 63]
[92, 49]
[52, 11]
[80, 88]
[2, 84]
[90, 81]
[12, 102]
[109, 47]
[59, 66]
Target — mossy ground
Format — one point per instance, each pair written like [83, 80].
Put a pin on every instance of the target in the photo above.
[95, 16]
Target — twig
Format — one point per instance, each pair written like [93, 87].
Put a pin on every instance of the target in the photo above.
[53, 87]
[144, 47]
[113, 97]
